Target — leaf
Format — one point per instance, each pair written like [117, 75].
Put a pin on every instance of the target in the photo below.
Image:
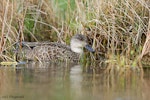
[9, 63]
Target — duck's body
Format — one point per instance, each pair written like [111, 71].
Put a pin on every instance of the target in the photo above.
[49, 52]
[53, 51]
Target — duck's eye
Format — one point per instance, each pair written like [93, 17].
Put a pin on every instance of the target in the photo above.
[81, 39]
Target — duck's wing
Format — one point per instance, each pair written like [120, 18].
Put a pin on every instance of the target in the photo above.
[49, 51]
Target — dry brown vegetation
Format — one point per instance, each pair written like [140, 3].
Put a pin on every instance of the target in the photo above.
[116, 28]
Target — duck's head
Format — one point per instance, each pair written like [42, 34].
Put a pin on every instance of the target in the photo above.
[78, 42]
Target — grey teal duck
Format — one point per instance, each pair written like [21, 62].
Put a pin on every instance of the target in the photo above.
[47, 51]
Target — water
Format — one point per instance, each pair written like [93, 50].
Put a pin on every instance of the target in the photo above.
[51, 81]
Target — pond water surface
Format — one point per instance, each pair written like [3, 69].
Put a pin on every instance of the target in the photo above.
[51, 81]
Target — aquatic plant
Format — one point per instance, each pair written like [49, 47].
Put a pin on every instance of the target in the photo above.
[114, 28]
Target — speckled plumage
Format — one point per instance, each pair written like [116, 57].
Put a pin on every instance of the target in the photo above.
[53, 51]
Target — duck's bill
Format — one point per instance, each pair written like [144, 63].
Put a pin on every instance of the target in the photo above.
[89, 48]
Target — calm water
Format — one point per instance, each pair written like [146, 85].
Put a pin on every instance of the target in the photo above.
[49, 81]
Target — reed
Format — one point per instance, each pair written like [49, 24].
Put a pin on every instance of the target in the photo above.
[115, 28]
